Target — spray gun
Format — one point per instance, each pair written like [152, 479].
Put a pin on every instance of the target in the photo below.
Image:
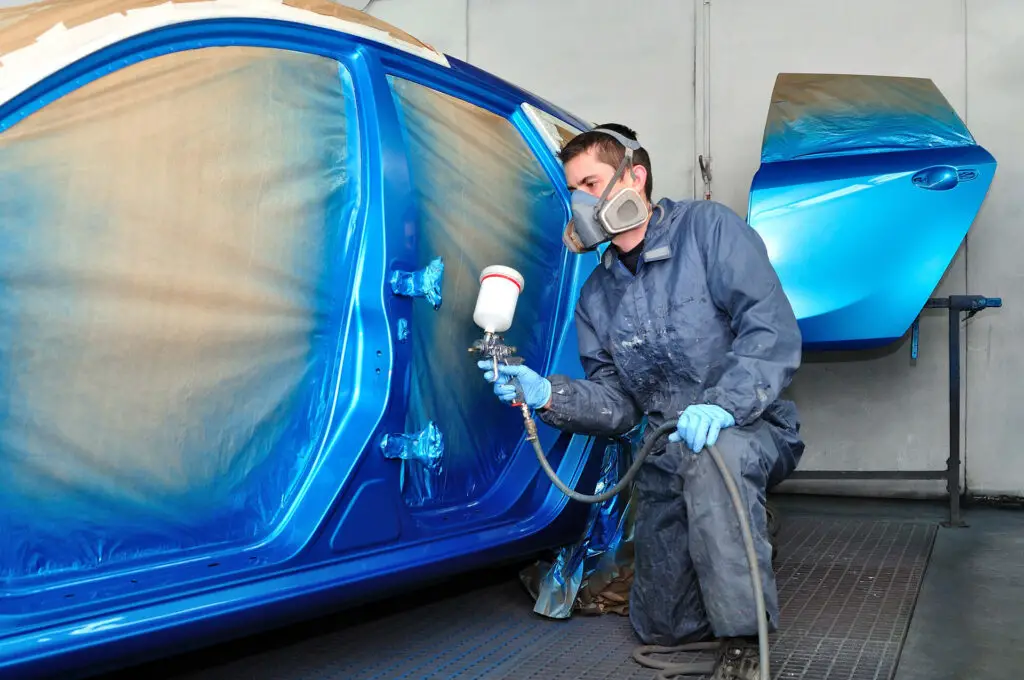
[495, 306]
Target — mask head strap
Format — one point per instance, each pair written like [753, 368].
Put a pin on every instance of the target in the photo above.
[631, 145]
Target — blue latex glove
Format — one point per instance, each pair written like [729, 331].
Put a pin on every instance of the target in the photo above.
[700, 424]
[536, 388]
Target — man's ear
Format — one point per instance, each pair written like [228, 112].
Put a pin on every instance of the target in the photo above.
[638, 178]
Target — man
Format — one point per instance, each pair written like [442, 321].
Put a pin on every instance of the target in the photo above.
[684, 319]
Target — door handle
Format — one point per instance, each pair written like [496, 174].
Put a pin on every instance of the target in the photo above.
[937, 178]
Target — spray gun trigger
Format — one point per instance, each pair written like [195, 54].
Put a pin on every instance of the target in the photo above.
[520, 395]
[494, 349]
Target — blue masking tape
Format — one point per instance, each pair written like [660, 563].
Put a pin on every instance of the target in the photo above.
[422, 456]
[425, 283]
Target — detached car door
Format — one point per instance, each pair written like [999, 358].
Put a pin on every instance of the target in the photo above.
[866, 190]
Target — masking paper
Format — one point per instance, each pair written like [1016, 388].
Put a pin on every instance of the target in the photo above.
[830, 115]
[22, 25]
[482, 198]
[171, 304]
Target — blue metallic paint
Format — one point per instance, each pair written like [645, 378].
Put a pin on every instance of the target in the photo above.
[859, 245]
[324, 552]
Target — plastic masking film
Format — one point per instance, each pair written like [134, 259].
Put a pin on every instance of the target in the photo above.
[581, 571]
[170, 304]
[829, 115]
[482, 198]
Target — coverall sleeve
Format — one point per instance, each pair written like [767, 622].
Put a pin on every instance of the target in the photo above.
[597, 406]
[743, 283]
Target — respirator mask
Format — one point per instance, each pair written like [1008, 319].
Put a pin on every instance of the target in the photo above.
[597, 220]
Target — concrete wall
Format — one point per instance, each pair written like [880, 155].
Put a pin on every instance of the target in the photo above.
[586, 56]
[995, 386]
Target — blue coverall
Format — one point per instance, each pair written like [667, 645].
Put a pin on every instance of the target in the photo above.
[704, 320]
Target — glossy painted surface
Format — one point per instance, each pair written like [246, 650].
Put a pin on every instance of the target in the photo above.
[867, 187]
[349, 533]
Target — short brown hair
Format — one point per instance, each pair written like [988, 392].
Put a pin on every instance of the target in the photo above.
[609, 150]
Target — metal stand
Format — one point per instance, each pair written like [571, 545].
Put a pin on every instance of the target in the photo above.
[957, 305]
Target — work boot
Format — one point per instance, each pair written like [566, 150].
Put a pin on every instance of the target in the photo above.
[737, 660]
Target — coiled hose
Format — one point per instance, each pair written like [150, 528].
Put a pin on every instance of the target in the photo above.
[673, 670]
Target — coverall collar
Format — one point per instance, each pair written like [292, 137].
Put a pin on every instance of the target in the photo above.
[655, 245]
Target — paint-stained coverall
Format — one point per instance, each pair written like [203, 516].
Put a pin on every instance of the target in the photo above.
[704, 320]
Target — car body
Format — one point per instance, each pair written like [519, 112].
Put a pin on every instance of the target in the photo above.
[242, 243]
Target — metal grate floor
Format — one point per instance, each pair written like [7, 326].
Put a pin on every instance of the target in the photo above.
[847, 589]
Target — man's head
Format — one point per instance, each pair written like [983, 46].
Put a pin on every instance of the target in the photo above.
[591, 158]
[609, 174]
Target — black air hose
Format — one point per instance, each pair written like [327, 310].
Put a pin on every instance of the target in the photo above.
[668, 670]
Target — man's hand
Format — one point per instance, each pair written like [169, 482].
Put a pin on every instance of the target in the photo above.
[536, 388]
[700, 424]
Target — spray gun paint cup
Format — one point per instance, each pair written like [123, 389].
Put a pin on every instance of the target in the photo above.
[496, 303]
